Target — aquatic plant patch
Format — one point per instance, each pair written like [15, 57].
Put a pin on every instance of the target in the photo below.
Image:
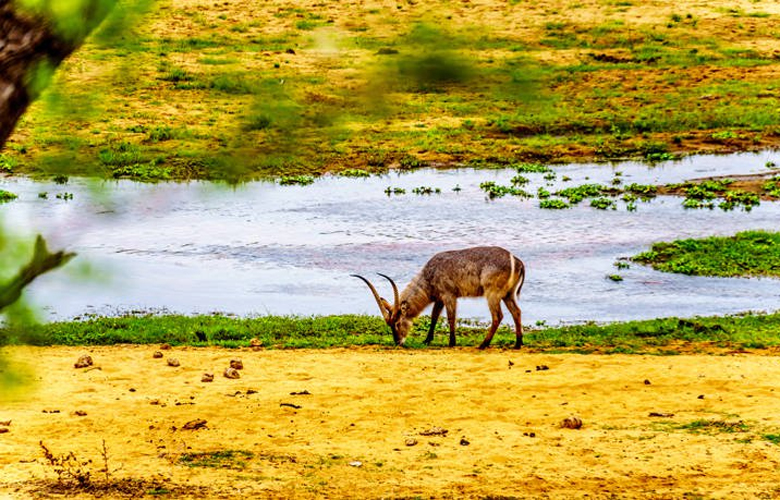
[749, 253]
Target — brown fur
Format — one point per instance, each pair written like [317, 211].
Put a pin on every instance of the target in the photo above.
[492, 272]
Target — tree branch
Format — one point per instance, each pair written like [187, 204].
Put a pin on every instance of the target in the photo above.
[41, 262]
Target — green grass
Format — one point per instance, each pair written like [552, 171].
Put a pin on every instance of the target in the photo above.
[659, 336]
[223, 459]
[321, 88]
[749, 253]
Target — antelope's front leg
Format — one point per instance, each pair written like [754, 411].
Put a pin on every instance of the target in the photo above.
[437, 307]
[452, 308]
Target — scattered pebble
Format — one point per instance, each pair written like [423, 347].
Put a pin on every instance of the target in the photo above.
[173, 362]
[410, 441]
[571, 423]
[661, 414]
[701, 396]
[5, 423]
[3, 430]
[435, 431]
[464, 442]
[255, 344]
[165, 347]
[237, 364]
[80, 413]
[192, 425]
[207, 377]
[231, 373]
[647, 382]
[83, 361]
[530, 434]
[356, 463]
[542, 368]
[157, 355]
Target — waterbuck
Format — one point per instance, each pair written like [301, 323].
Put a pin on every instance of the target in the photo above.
[492, 272]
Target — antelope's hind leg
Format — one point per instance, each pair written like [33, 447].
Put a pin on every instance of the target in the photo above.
[437, 307]
[514, 310]
[495, 311]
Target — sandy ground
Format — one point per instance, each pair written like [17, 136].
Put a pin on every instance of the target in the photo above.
[357, 429]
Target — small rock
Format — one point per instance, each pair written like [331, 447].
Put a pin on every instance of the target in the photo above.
[157, 355]
[464, 442]
[80, 413]
[542, 368]
[410, 442]
[356, 463]
[237, 364]
[165, 347]
[647, 382]
[231, 373]
[83, 361]
[571, 423]
[660, 414]
[207, 377]
[435, 431]
[192, 425]
[701, 396]
[3, 430]
[255, 344]
[173, 362]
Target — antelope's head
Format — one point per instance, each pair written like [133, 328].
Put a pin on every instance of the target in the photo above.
[395, 314]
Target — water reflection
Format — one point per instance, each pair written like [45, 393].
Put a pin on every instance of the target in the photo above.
[262, 248]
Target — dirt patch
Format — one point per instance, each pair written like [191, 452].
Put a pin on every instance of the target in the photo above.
[357, 424]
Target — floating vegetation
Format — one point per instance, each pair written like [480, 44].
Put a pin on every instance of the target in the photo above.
[519, 180]
[772, 187]
[6, 196]
[426, 190]
[554, 204]
[532, 168]
[642, 190]
[706, 195]
[494, 190]
[542, 193]
[578, 193]
[603, 203]
[394, 191]
[615, 277]
[293, 180]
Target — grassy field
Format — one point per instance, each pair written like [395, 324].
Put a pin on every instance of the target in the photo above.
[237, 90]
[658, 336]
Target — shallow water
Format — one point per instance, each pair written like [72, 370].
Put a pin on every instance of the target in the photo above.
[262, 248]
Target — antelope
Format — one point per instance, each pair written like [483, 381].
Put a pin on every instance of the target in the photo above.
[492, 272]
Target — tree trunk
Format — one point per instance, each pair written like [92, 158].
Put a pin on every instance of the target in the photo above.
[25, 42]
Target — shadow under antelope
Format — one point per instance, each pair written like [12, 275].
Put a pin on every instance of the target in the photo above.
[492, 272]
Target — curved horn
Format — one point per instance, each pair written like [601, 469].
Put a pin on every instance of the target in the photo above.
[396, 301]
[379, 300]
